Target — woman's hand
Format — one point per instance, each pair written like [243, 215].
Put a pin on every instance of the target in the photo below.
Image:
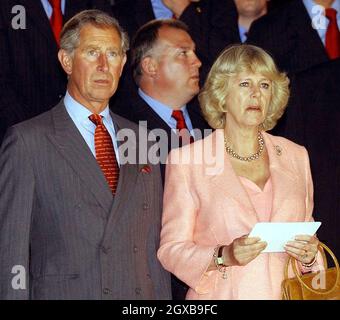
[303, 249]
[243, 250]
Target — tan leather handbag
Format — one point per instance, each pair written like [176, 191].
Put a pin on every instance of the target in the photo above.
[301, 287]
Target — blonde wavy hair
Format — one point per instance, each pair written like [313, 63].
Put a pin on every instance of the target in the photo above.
[232, 61]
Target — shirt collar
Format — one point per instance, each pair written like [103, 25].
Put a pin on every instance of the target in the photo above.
[48, 8]
[309, 4]
[243, 33]
[78, 111]
[164, 111]
[160, 10]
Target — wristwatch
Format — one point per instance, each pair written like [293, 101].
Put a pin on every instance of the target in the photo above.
[218, 255]
[220, 258]
[219, 261]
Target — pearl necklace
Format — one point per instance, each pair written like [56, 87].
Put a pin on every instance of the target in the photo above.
[250, 158]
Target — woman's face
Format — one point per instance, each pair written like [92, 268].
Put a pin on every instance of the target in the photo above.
[248, 100]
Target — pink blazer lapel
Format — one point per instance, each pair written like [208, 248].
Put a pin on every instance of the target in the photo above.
[227, 184]
[284, 179]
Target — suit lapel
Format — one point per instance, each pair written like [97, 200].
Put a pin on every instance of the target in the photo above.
[282, 174]
[226, 181]
[127, 181]
[143, 12]
[281, 171]
[73, 7]
[37, 15]
[224, 26]
[225, 18]
[307, 34]
[143, 112]
[195, 115]
[71, 145]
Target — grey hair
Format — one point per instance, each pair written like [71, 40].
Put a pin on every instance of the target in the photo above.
[70, 34]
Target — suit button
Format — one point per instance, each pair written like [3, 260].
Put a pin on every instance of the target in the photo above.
[106, 291]
[135, 249]
[145, 206]
[148, 275]
[60, 96]
[105, 249]
[138, 291]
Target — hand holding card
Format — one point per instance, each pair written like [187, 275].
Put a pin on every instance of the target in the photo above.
[277, 234]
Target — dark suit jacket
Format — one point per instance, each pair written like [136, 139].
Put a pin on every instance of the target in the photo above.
[138, 110]
[31, 78]
[313, 120]
[59, 220]
[212, 24]
[289, 36]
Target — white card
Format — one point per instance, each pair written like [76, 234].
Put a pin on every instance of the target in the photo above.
[278, 234]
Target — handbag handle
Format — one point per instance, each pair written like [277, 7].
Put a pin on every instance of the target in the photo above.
[293, 260]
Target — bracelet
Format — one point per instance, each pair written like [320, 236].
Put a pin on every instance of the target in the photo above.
[219, 261]
[309, 265]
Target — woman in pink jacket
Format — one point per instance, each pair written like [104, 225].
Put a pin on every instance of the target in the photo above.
[218, 188]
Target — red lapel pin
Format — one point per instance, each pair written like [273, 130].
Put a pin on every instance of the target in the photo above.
[146, 169]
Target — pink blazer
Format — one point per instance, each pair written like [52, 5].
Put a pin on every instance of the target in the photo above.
[205, 205]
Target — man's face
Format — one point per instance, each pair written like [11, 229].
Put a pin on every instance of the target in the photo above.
[95, 67]
[177, 66]
[251, 8]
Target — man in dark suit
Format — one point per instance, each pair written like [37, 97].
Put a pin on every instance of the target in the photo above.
[312, 119]
[296, 34]
[31, 79]
[248, 12]
[166, 70]
[78, 218]
[213, 24]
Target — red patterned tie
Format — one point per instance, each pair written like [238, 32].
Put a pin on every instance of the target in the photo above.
[184, 136]
[56, 19]
[105, 153]
[332, 35]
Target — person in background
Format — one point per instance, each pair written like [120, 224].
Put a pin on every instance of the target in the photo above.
[31, 79]
[312, 119]
[166, 71]
[212, 24]
[136, 13]
[301, 34]
[248, 12]
[210, 208]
